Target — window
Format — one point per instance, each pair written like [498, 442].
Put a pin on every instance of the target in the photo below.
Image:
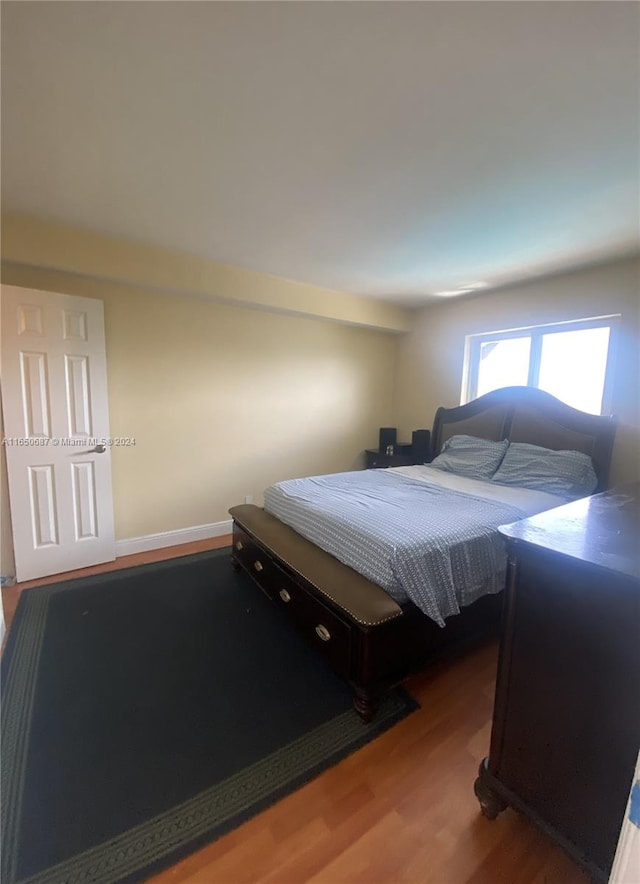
[570, 360]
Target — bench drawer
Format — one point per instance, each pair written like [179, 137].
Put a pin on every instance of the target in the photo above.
[320, 626]
[255, 561]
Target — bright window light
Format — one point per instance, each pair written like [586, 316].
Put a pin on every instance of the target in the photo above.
[573, 366]
[508, 358]
[570, 360]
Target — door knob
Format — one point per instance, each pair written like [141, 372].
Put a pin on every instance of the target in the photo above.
[97, 449]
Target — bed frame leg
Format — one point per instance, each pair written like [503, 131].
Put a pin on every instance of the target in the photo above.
[364, 704]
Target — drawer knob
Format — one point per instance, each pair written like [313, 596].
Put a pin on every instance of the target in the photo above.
[239, 545]
[258, 565]
[284, 595]
[322, 632]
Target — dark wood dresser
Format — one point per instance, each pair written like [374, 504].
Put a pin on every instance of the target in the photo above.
[566, 724]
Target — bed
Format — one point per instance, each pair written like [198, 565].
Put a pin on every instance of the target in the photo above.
[423, 565]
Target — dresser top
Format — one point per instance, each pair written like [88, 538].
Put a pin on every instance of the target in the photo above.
[602, 530]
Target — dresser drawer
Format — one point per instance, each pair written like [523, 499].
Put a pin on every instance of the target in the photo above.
[255, 561]
[321, 627]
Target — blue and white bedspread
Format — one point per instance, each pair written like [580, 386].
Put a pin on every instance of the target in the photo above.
[419, 533]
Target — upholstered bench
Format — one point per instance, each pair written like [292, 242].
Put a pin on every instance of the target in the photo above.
[365, 635]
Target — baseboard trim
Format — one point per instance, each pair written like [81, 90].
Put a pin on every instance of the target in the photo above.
[172, 538]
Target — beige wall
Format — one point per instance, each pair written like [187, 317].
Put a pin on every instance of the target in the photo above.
[430, 357]
[223, 400]
[35, 243]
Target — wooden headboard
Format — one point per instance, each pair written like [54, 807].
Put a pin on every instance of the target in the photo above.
[525, 414]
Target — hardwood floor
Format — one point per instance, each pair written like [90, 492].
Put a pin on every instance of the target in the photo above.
[401, 809]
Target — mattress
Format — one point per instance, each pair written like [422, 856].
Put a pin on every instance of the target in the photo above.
[421, 534]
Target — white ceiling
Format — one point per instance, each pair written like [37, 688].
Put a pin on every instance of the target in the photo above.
[390, 149]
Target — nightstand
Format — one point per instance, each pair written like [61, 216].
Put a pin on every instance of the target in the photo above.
[402, 457]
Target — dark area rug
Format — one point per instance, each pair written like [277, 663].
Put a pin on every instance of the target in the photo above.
[146, 712]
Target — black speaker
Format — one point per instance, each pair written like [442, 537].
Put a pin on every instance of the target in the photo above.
[421, 445]
[387, 437]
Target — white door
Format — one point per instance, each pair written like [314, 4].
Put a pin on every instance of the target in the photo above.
[56, 423]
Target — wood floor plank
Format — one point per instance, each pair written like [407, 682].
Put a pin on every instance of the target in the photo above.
[401, 810]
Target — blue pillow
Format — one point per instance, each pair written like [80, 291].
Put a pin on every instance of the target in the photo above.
[470, 456]
[568, 474]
